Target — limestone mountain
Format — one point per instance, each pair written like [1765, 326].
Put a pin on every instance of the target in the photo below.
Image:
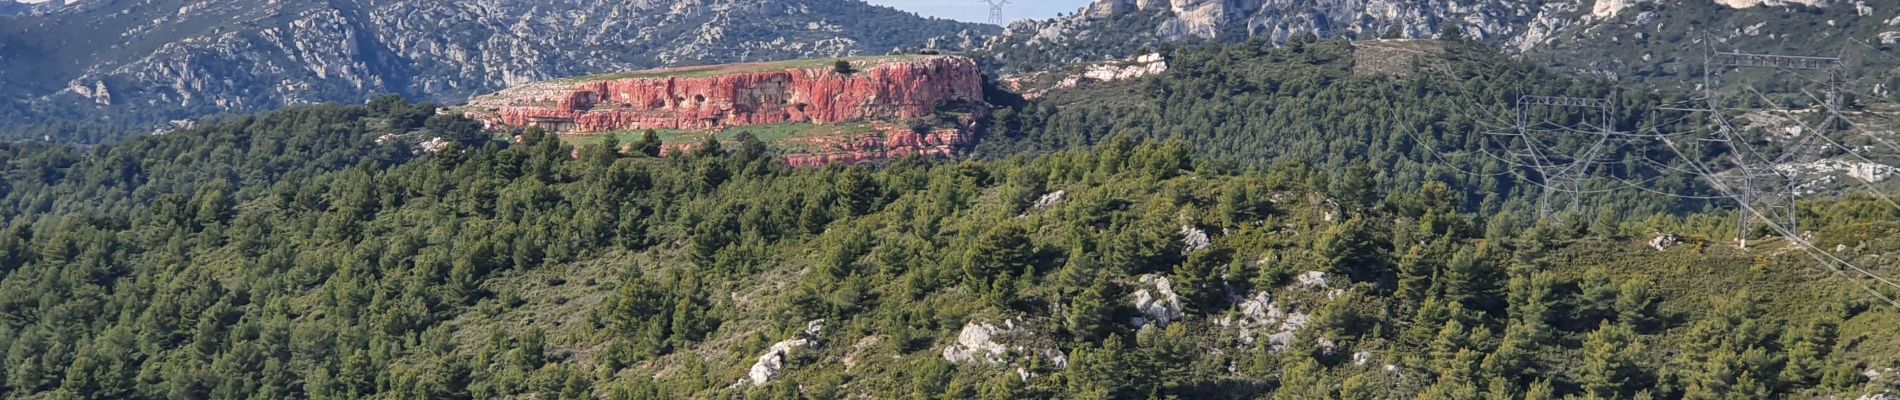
[133, 63]
[1629, 39]
[9, 8]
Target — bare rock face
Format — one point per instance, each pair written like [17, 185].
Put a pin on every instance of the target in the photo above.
[737, 95]
[775, 357]
[1876, 374]
[1050, 200]
[977, 343]
[1259, 314]
[1157, 302]
[993, 345]
[1361, 358]
[1313, 279]
[1279, 319]
[1664, 242]
[1193, 239]
[885, 94]
[1037, 84]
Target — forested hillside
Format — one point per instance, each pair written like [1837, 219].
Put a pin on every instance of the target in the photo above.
[1417, 114]
[287, 256]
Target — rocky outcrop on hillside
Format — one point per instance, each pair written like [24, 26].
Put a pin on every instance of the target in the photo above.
[1258, 315]
[902, 101]
[1278, 320]
[892, 89]
[1156, 302]
[888, 142]
[776, 357]
[1036, 84]
[1007, 344]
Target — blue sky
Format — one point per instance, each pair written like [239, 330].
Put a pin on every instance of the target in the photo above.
[975, 11]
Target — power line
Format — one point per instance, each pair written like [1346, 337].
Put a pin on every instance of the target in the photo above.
[1806, 247]
[1557, 176]
[1716, 62]
[996, 11]
[1754, 173]
[1850, 151]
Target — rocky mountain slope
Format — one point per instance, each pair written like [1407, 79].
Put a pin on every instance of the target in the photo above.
[9, 8]
[145, 61]
[131, 65]
[1625, 38]
[819, 111]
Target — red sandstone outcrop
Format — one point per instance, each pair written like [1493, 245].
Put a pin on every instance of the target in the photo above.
[886, 92]
[890, 142]
[719, 97]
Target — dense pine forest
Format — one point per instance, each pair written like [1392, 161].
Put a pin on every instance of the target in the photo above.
[1263, 221]
[315, 253]
[1418, 113]
[1416, 110]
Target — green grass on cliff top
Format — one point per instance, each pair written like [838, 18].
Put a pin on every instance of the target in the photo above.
[860, 63]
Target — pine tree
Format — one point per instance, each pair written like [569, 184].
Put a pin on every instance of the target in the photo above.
[1612, 361]
[1531, 296]
[1198, 279]
[1596, 301]
[1450, 389]
[1003, 386]
[857, 192]
[1500, 389]
[1727, 351]
[1636, 303]
[1606, 224]
[1807, 351]
[1367, 385]
[1540, 390]
[998, 253]
[1472, 278]
[1416, 270]
[649, 143]
[1304, 379]
[1515, 357]
[1088, 311]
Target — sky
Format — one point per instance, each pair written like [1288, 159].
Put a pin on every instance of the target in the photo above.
[964, 10]
[976, 11]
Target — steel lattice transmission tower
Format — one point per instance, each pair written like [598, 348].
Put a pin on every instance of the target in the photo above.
[1758, 171]
[996, 11]
[1562, 172]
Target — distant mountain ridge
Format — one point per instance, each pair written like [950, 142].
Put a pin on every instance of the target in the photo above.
[12, 7]
[142, 62]
[1629, 39]
[128, 66]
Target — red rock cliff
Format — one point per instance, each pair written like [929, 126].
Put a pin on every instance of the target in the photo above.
[886, 89]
